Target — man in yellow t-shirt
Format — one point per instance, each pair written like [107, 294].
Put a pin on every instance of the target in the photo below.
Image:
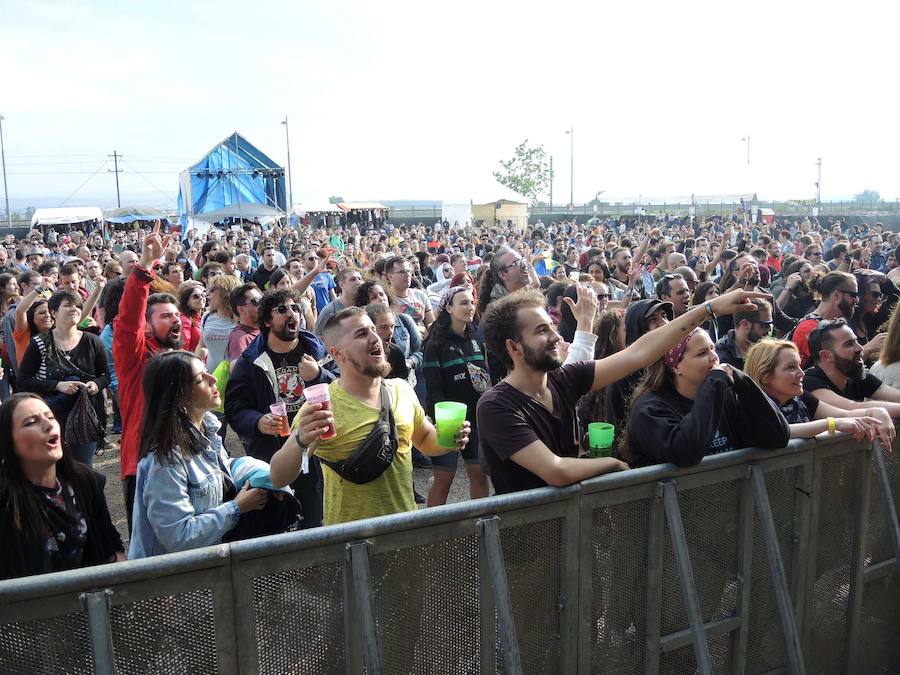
[355, 407]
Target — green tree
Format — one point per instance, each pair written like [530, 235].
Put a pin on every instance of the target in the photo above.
[335, 200]
[527, 173]
[867, 197]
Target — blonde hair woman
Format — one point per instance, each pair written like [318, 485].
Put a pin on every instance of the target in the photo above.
[218, 322]
[775, 366]
[887, 367]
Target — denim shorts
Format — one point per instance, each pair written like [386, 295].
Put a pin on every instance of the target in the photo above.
[470, 454]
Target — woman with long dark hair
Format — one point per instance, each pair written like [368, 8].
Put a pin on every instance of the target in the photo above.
[191, 303]
[455, 370]
[60, 363]
[53, 515]
[688, 406]
[705, 292]
[184, 469]
[406, 336]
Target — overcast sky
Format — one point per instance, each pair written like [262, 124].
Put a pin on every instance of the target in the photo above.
[411, 100]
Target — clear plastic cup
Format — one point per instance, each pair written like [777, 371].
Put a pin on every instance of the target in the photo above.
[318, 393]
[280, 410]
[449, 417]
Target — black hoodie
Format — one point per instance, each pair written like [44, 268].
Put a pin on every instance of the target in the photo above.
[664, 426]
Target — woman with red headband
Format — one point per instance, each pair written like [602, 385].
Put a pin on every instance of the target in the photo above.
[688, 406]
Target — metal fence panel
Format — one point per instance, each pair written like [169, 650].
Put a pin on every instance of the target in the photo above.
[426, 607]
[533, 554]
[618, 546]
[55, 644]
[826, 614]
[173, 633]
[766, 640]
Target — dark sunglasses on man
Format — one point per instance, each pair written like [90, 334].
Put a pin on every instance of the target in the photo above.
[283, 309]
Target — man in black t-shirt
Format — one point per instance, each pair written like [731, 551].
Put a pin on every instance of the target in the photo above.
[526, 423]
[839, 376]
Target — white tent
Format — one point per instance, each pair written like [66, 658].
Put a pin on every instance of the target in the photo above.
[262, 211]
[460, 212]
[66, 216]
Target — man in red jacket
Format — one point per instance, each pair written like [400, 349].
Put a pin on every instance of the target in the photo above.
[146, 324]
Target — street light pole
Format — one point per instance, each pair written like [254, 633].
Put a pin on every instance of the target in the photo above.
[290, 187]
[747, 138]
[5, 190]
[571, 133]
[551, 183]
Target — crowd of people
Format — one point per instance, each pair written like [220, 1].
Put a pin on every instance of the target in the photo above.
[328, 351]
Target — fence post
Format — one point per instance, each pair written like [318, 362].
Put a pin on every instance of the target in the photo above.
[686, 577]
[358, 556]
[96, 605]
[858, 559]
[490, 542]
[655, 549]
[745, 573]
[776, 567]
[812, 551]
[889, 502]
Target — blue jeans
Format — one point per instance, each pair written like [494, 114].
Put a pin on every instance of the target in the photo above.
[84, 453]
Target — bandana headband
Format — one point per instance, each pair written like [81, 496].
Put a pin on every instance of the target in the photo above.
[447, 298]
[674, 355]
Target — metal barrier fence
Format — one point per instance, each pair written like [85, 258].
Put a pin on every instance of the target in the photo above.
[752, 562]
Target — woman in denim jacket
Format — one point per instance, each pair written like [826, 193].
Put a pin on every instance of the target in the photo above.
[184, 471]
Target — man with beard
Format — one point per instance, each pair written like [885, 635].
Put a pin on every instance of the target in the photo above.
[839, 376]
[276, 368]
[840, 295]
[356, 402]
[146, 325]
[674, 288]
[750, 327]
[527, 423]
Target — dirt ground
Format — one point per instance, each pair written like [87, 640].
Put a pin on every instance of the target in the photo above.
[108, 464]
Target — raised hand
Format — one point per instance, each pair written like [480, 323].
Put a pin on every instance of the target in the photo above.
[585, 309]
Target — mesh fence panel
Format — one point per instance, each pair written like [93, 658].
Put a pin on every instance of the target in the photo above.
[879, 632]
[426, 607]
[533, 555]
[826, 613]
[59, 644]
[299, 620]
[619, 586]
[880, 545]
[766, 649]
[166, 634]
[710, 517]
[681, 660]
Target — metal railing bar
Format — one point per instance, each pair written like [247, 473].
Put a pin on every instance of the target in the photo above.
[496, 570]
[858, 557]
[744, 574]
[779, 579]
[655, 549]
[888, 494]
[686, 577]
[881, 569]
[96, 606]
[365, 606]
[682, 638]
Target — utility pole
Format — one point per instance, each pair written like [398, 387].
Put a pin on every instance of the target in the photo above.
[290, 187]
[819, 182]
[551, 184]
[5, 190]
[115, 158]
[571, 133]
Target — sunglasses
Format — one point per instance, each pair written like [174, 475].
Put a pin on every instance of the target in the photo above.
[283, 309]
[198, 296]
[603, 296]
[255, 302]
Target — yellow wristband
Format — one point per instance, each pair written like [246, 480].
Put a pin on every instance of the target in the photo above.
[832, 427]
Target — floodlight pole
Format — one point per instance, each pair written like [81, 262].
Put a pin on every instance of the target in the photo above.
[290, 187]
[5, 190]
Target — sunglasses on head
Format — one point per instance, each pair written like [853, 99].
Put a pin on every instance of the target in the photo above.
[283, 309]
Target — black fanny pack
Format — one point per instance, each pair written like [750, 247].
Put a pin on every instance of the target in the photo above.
[375, 454]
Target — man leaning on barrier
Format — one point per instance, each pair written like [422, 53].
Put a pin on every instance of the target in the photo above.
[356, 408]
[526, 423]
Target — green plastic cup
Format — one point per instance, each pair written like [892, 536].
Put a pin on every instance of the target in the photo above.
[449, 417]
[600, 438]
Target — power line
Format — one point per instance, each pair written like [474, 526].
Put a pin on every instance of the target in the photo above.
[168, 197]
[99, 169]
